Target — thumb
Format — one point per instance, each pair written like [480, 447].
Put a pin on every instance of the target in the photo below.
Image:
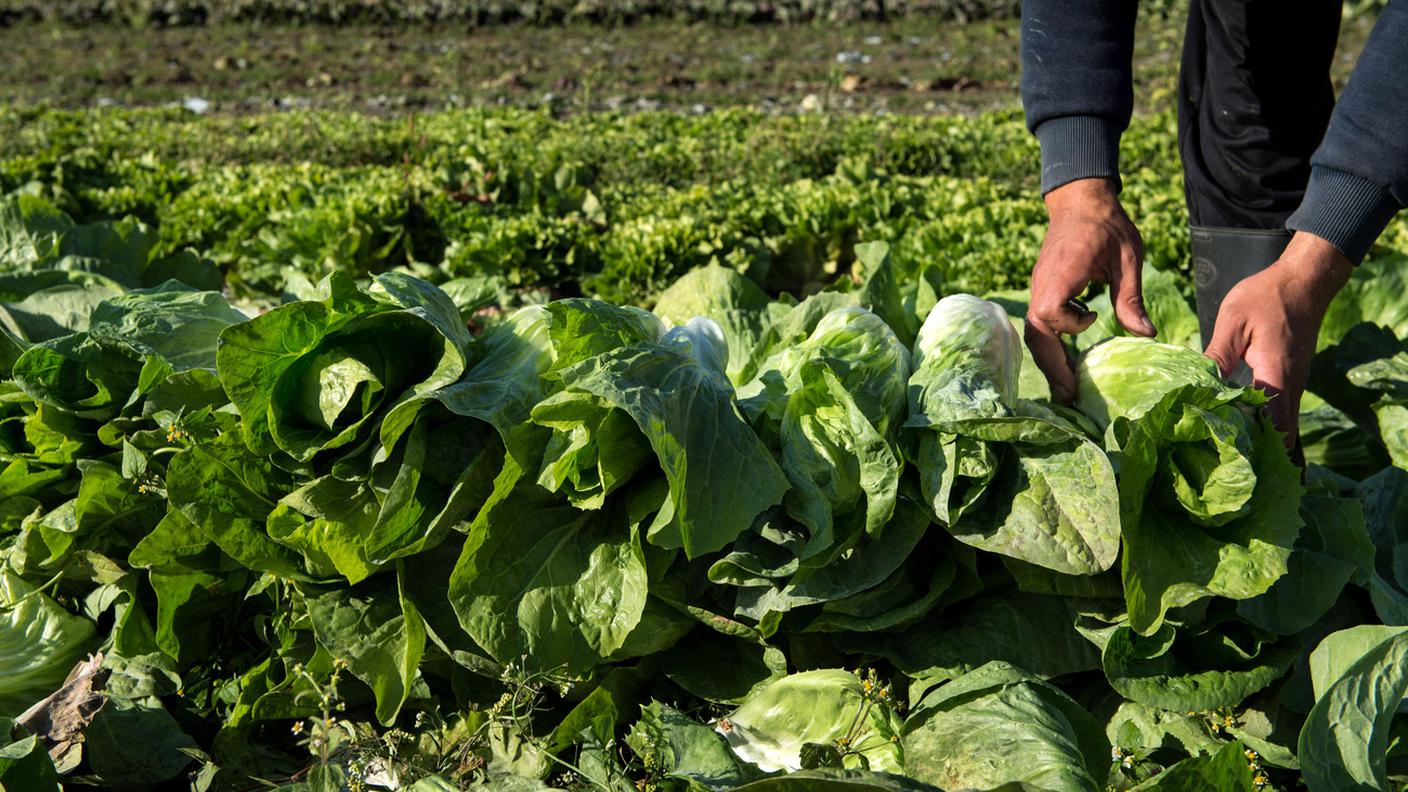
[1128, 296]
[1228, 345]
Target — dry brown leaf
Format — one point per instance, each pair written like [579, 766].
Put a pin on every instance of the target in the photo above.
[60, 718]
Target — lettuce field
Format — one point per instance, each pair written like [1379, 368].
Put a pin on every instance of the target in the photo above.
[498, 449]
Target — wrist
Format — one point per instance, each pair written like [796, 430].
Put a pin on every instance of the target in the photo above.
[1316, 266]
[1093, 195]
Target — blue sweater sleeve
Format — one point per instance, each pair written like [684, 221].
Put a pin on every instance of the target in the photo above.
[1076, 84]
[1359, 175]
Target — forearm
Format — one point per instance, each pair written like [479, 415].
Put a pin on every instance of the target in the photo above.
[1076, 84]
[1359, 177]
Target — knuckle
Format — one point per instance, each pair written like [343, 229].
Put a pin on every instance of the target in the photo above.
[1046, 312]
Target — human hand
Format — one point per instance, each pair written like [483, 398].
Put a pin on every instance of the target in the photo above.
[1089, 239]
[1272, 319]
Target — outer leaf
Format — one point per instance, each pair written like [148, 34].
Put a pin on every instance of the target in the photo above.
[25, 764]
[39, 644]
[721, 477]
[381, 636]
[228, 493]
[731, 300]
[542, 580]
[1055, 506]
[173, 322]
[996, 726]
[136, 744]
[1169, 560]
[1333, 549]
[1344, 743]
[685, 749]
[778, 719]
[1225, 770]
[1218, 668]
[1137, 727]
[1034, 632]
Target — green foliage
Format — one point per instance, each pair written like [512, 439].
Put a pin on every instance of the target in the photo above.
[1207, 495]
[41, 643]
[617, 547]
[996, 726]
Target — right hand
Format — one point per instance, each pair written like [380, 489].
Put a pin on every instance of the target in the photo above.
[1089, 239]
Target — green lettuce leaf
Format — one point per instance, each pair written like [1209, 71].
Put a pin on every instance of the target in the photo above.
[1332, 551]
[314, 376]
[997, 725]
[721, 476]
[541, 582]
[1209, 500]
[1226, 769]
[25, 763]
[380, 635]
[1004, 475]
[684, 749]
[1361, 682]
[1194, 669]
[740, 308]
[835, 402]
[777, 721]
[40, 642]
[832, 780]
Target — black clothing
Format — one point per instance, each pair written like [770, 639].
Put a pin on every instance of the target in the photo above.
[1254, 98]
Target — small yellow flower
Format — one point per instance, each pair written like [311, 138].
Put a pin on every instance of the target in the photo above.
[298, 727]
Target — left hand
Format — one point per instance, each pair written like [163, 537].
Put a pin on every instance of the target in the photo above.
[1271, 321]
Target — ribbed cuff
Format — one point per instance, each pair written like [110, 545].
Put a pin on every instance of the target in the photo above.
[1346, 210]
[1078, 147]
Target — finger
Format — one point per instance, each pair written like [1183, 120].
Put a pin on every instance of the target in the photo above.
[1070, 317]
[1050, 356]
[1228, 344]
[1270, 374]
[1283, 410]
[1127, 293]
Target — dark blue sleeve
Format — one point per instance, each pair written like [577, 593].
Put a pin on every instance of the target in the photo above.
[1076, 84]
[1359, 175]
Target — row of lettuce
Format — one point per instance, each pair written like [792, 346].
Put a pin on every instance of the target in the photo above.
[598, 205]
[594, 545]
[616, 207]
